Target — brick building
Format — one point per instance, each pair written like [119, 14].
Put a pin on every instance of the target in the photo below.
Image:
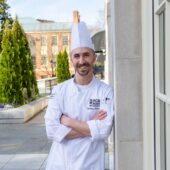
[46, 38]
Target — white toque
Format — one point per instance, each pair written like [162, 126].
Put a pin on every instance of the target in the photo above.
[80, 36]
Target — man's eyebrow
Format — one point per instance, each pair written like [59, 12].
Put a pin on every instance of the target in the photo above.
[76, 54]
[84, 53]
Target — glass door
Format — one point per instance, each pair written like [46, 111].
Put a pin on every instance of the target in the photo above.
[162, 83]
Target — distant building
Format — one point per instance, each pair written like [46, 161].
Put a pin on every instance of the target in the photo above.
[46, 38]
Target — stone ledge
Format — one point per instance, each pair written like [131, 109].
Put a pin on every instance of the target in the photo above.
[24, 113]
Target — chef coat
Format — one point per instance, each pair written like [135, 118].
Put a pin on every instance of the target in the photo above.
[79, 102]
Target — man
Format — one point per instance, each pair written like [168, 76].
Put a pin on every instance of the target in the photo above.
[80, 112]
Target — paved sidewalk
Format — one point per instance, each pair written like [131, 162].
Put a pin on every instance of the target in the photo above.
[24, 146]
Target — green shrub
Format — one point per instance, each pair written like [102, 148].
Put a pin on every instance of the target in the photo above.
[62, 67]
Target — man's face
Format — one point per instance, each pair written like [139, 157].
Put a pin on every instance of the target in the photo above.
[83, 60]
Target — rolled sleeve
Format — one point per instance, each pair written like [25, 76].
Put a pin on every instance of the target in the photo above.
[94, 131]
[100, 129]
[55, 130]
[62, 132]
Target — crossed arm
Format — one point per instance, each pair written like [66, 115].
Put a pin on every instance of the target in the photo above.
[59, 126]
[80, 128]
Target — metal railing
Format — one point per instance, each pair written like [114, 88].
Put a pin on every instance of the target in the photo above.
[45, 85]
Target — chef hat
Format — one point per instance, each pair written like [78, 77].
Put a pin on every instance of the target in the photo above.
[80, 36]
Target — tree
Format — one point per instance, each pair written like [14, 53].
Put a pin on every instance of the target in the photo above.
[10, 70]
[4, 15]
[66, 65]
[17, 79]
[62, 67]
[29, 82]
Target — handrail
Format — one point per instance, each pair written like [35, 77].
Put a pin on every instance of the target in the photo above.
[163, 97]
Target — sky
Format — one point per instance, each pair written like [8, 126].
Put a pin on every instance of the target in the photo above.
[57, 10]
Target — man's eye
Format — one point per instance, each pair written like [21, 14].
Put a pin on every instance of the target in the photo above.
[76, 56]
[86, 54]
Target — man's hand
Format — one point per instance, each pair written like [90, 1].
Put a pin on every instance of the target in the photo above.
[100, 115]
[65, 120]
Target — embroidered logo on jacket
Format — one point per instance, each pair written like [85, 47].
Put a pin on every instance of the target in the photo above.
[97, 103]
[94, 104]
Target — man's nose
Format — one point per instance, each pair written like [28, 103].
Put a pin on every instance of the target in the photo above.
[81, 60]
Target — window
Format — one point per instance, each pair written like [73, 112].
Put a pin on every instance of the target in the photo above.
[162, 83]
[162, 52]
[33, 59]
[54, 50]
[43, 60]
[44, 50]
[54, 40]
[43, 40]
[162, 90]
[54, 57]
[65, 40]
[32, 41]
[163, 135]
[32, 45]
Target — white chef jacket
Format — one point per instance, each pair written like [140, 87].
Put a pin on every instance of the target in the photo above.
[79, 102]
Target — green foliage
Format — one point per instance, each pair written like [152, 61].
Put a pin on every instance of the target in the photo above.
[28, 81]
[10, 70]
[4, 15]
[62, 67]
[17, 80]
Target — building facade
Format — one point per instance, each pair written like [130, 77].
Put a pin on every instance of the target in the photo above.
[46, 39]
[137, 65]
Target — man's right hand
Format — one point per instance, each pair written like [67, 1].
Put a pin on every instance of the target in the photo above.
[100, 115]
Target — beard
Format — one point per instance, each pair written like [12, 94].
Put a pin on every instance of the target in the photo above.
[83, 69]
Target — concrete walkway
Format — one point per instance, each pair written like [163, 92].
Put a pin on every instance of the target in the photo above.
[25, 146]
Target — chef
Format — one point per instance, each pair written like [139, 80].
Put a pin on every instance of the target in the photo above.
[80, 112]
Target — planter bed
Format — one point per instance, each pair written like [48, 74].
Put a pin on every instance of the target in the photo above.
[23, 113]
